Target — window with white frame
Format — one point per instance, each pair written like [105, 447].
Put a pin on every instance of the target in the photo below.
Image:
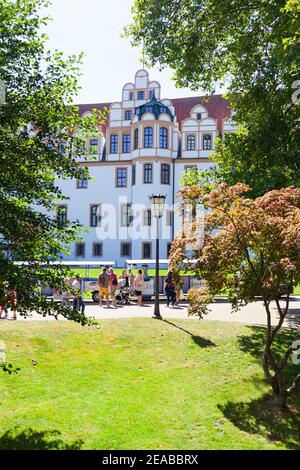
[163, 138]
[121, 177]
[148, 173]
[95, 215]
[147, 217]
[190, 142]
[148, 137]
[126, 143]
[126, 215]
[207, 142]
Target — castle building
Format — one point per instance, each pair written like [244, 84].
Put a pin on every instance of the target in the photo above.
[144, 147]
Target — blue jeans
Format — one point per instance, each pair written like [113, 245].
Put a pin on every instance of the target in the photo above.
[78, 304]
[171, 296]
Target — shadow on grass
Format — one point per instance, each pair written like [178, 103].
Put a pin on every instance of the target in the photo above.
[253, 344]
[264, 418]
[261, 416]
[201, 342]
[28, 439]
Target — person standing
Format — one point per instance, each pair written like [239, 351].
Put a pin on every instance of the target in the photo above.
[170, 289]
[78, 302]
[113, 285]
[124, 278]
[103, 282]
[138, 285]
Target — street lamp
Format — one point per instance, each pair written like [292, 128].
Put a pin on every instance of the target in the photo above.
[157, 209]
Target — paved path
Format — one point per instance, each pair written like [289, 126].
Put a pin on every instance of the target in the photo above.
[252, 314]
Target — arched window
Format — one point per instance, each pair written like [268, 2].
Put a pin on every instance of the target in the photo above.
[190, 142]
[113, 143]
[165, 173]
[136, 139]
[148, 137]
[163, 138]
[207, 142]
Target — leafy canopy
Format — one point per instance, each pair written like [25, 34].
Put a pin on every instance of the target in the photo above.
[41, 136]
[252, 48]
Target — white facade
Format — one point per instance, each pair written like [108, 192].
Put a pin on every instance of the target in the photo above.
[143, 151]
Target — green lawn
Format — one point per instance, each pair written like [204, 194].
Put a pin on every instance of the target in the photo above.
[139, 384]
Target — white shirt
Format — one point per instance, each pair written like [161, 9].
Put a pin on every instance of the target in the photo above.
[76, 284]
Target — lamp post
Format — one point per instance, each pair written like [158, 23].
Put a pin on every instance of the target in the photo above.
[157, 209]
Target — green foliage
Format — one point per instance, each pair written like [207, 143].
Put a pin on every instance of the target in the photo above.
[253, 48]
[41, 136]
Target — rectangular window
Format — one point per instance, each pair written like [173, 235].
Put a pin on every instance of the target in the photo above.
[80, 249]
[148, 173]
[133, 176]
[148, 137]
[163, 138]
[189, 167]
[93, 146]
[62, 215]
[126, 215]
[113, 143]
[170, 218]
[82, 183]
[130, 95]
[141, 95]
[190, 142]
[207, 142]
[147, 217]
[147, 250]
[169, 246]
[136, 139]
[165, 173]
[199, 116]
[126, 143]
[95, 215]
[121, 177]
[98, 249]
[128, 115]
[151, 94]
[125, 249]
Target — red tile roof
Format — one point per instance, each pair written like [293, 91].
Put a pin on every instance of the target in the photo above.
[217, 107]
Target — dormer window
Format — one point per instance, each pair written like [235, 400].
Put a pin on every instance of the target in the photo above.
[199, 116]
[151, 94]
[141, 95]
[131, 96]
[128, 115]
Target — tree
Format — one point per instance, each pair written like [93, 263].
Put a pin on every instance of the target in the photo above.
[253, 48]
[251, 247]
[41, 135]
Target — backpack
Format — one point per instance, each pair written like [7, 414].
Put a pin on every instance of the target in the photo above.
[114, 281]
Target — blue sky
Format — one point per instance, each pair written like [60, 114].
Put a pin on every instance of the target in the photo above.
[94, 27]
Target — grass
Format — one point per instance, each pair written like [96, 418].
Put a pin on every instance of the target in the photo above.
[139, 384]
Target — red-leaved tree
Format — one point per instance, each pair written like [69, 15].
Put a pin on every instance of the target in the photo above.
[251, 247]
